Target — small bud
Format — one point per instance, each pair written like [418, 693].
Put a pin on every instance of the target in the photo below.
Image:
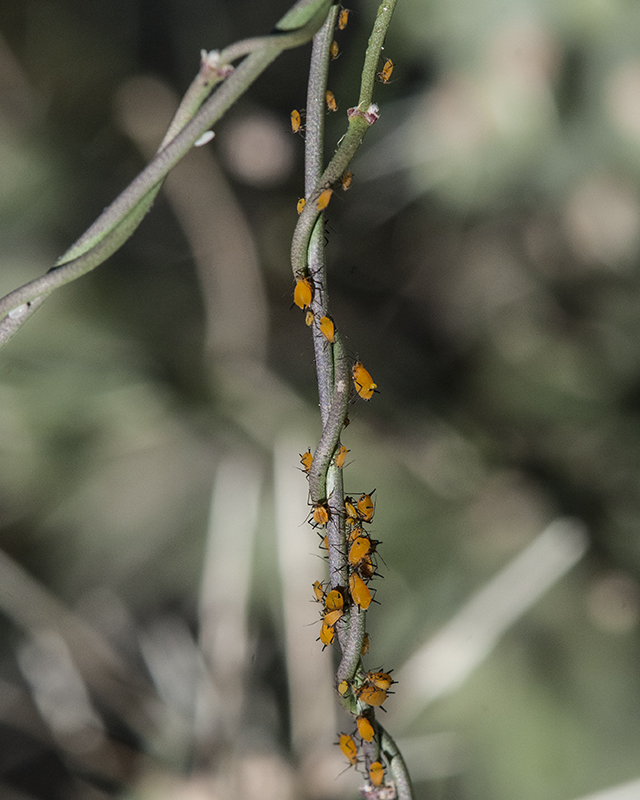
[207, 136]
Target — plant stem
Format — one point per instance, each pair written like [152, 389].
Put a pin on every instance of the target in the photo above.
[116, 224]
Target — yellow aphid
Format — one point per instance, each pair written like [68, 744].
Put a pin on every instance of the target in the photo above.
[356, 530]
[365, 645]
[366, 568]
[343, 19]
[334, 50]
[296, 121]
[365, 507]
[331, 617]
[381, 680]
[361, 547]
[330, 100]
[350, 510]
[346, 179]
[301, 204]
[318, 591]
[343, 687]
[320, 513]
[309, 317]
[376, 773]
[363, 381]
[385, 72]
[360, 594]
[303, 293]
[372, 696]
[341, 456]
[348, 747]
[326, 634]
[328, 329]
[306, 459]
[322, 203]
[365, 729]
[334, 600]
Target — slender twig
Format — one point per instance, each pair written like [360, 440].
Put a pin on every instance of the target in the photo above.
[325, 477]
[396, 762]
[116, 224]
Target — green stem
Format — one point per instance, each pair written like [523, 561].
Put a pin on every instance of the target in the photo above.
[360, 120]
[398, 767]
[313, 149]
[331, 431]
[121, 218]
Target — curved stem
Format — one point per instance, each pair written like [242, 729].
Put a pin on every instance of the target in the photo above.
[398, 767]
[335, 422]
[114, 226]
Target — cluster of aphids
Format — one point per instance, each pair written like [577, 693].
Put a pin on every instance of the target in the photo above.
[360, 555]
[369, 690]
[297, 117]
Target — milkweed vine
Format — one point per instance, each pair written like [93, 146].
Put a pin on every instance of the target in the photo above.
[351, 551]
[350, 547]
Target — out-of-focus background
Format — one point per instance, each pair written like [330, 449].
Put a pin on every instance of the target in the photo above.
[157, 635]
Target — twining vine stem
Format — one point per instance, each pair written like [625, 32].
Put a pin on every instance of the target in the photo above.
[333, 374]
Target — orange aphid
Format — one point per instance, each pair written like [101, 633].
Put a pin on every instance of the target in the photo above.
[301, 204]
[376, 773]
[309, 317]
[323, 201]
[385, 72]
[325, 543]
[356, 530]
[372, 696]
[334, 600]
[343, 19]
[381, 680]
[366, 568]
[365, 507]
[306, 459]
[328, 329]
[303, 293]
[327, 634]
[296, 121]
[318, 591]
[340, 457]
[346, 179]
[360, 548]
[360, 594]
[365, 645]
[350, 510]
[365, 729]
[330, 100]
[334, 50]
[348, 747]
[320, 513]
[331, 617]
[363, 381]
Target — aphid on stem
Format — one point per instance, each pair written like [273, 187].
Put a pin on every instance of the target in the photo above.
[303, 293]
[296, 121]
[323, 200]
[349, 749]
[385, 73]
[363, 382]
